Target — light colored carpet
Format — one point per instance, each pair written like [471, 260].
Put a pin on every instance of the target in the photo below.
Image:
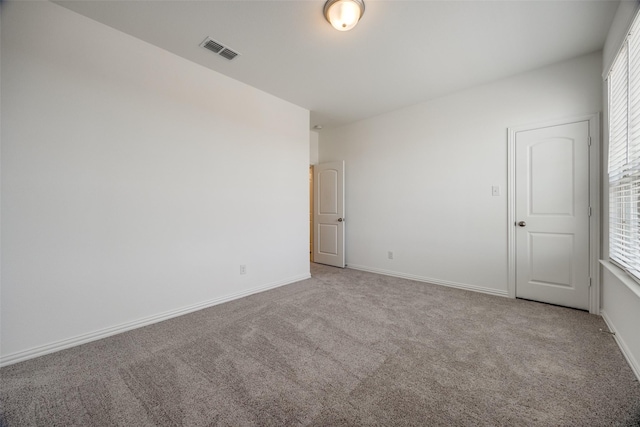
[343, 348]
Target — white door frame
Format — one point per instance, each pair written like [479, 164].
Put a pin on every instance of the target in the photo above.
[594, 202]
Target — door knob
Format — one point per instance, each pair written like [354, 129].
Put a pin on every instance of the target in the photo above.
[522, 224]
[340, 219]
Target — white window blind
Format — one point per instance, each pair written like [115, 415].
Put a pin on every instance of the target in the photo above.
[624, 155]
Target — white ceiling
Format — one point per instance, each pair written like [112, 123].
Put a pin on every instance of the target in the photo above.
[401, 53]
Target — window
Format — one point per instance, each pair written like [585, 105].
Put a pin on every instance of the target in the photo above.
[624, 155]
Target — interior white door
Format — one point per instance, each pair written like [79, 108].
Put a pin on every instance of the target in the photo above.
[329, 214]
[552, 214]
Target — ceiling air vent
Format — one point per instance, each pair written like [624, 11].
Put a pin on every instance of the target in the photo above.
[228, 53]
[219, 48]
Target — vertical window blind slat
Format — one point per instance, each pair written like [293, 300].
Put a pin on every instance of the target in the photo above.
[624, 155]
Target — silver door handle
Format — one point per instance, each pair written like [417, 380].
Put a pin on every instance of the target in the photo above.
[522, 224]
[340, 219]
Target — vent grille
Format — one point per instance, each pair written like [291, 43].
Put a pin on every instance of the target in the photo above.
[229, 54]
[213, 46]
[219, 48]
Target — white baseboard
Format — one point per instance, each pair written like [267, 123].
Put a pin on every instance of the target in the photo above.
[107, 332]
[430, 280]
[633, 363]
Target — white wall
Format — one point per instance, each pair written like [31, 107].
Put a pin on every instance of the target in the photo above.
[418, 180]
[314, 139]
[620, 295]
[135, 183]
[621, 310]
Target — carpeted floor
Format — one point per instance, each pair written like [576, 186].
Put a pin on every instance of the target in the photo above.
[343, 348]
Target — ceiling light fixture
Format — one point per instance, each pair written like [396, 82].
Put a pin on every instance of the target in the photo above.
[343, 14]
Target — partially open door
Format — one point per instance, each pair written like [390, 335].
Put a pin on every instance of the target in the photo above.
[328, 214]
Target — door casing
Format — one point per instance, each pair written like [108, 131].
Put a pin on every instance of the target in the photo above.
[594, 202]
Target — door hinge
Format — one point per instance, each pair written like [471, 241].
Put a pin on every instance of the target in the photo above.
[589, 282]
[589, 210]
[589, 141]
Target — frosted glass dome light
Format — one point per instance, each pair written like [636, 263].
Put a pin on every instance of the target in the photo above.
[343, 15]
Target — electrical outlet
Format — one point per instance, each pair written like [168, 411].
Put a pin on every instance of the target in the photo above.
[390, 255]
[243, 269]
